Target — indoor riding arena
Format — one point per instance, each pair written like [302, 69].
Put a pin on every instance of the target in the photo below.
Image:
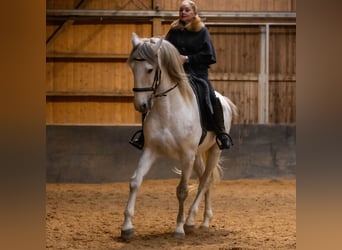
[90, 117]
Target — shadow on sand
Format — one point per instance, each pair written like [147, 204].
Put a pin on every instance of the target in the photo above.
[167, 240]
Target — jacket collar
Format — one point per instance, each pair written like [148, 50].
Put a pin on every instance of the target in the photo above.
[194, 26]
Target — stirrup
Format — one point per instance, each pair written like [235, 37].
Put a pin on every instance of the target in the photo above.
[137, 139]
[220, 143]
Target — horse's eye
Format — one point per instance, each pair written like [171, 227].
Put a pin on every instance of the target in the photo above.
[149, 71]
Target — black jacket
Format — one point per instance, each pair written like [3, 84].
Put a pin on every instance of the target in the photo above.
[193, 40]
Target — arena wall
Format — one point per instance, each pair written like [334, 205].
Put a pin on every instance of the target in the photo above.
[100, 154]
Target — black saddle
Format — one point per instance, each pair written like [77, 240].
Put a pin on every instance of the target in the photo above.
[201, 90]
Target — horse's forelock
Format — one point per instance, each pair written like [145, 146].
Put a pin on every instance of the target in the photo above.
[144, 51]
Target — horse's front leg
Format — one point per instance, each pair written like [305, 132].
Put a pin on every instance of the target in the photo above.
[145, 163]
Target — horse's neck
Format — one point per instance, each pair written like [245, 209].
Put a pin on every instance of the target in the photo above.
[168, 101]
[175, 101]
[174, 115]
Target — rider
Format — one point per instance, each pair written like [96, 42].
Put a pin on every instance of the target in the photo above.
[191, 38]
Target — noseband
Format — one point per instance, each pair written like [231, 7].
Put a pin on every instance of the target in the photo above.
[155, 84]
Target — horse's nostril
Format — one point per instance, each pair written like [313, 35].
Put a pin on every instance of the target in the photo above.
[143, 108]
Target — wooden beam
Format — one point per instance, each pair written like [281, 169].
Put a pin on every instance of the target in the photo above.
[233, 77]
[63, 26]
[147, 15]
[94, 57]
[88, 94]
[58, 31]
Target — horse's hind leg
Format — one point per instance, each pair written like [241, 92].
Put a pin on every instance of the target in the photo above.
[208, 214]
[199, 168]
[145, 163]
[182, 193]
[204, 189]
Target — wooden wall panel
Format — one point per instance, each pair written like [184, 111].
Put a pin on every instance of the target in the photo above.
[283, 51]
[91, 110]
[245, 97]
[282, 98]
[61, 4]
[234, 5]
[237, 49]
[89, 77]
[282, 102]
[97, 39]
[236, 71]
[87, 90]
[217, 5]
[100, 4]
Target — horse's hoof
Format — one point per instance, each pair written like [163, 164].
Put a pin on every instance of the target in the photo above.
[178, 235]
[127, 234]
[189, 228]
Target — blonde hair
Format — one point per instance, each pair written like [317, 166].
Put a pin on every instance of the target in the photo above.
[192, 4]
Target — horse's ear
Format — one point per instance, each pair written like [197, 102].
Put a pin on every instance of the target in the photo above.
[135, 39]
[156, 46]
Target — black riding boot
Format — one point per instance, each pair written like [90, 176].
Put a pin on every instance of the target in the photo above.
[137, 139]
[223, 139]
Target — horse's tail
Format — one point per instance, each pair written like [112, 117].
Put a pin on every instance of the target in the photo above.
[217, 173]
[232, 106]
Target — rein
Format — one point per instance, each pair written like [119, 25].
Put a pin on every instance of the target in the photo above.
[155, 85]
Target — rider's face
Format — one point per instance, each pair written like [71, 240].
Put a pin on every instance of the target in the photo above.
[186, 13]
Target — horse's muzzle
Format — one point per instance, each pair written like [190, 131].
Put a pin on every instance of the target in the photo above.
[143, 106]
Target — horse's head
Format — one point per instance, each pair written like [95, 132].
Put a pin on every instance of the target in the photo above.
[143, 61]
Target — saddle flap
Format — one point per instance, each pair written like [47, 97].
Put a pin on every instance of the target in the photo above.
[201, 91]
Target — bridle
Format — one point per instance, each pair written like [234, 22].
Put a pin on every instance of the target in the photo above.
[155, 84]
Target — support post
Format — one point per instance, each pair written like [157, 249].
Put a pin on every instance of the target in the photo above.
[157, 21]
[263, 111]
